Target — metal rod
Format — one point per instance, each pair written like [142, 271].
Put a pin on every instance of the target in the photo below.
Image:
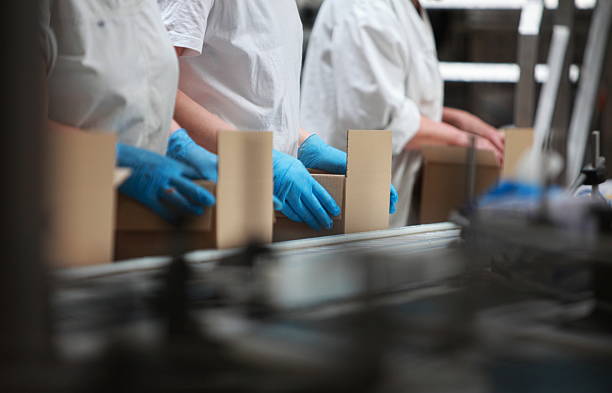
[529, 35]
[587, 90]
[470, 180]
[548, 101]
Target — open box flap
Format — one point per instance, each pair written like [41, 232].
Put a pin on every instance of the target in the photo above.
[82, 197]
[457, 155]
[368, 181]
[244, 193]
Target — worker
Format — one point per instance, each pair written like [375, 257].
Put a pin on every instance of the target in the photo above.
[240, 69]
[112, 68]
[372, 64]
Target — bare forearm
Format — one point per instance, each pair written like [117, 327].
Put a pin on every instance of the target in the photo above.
[436, 133]
[453, 116]
[202, 125]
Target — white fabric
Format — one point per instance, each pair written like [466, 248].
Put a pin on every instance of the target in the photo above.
[372, 64]
[116, 70]
[243, 61]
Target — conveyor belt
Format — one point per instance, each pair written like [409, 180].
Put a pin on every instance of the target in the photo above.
[396, 241]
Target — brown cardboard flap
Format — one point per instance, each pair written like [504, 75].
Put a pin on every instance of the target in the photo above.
[82, 197]
[244, 192]
[457, 155]
[518, 142]
[368, 181]
[334, 184]
[134, 216]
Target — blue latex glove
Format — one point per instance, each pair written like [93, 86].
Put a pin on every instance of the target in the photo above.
[303, 198]
[316, 154]
[162, 184]
[182, 148]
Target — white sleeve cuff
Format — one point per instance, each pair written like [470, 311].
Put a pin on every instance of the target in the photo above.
[404, 125]
[193, 45]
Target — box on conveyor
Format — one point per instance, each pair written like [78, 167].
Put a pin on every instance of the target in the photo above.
[443, 187]
[363, 194]
[243, 213]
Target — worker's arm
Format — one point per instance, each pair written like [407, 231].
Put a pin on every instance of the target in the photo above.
[432, 132]
[467, 122]
[203, 126]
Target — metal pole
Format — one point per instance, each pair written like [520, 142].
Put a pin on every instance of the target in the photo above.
[529, 36]
[548, 101]
[587, 90]
[564, 16]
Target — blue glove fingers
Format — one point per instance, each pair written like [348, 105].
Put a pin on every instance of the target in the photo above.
[195, 193]
[278, 205]
[291, 214]
[393, 200]
[325, 199]
[304, 214]
[178, 203]
[316, 154]
[313, 206]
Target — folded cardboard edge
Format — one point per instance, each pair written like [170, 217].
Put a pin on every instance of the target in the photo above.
[457, 155]
[244, 212]
[368, 180]
[82, 200]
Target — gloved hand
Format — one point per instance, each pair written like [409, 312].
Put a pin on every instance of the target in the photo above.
[303, 198]
[162, 183]
[182, 148]
[314, 153]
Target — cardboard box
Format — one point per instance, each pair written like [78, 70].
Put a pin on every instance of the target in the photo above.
[82, 198]
[243, 213]
[518, 142]
[363, 194]
[444, 186]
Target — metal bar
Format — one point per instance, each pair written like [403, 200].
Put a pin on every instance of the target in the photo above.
[421, 233]
[529, 36]
[470, 181]
[548, 101]
[564, 16]
[587, 89]
[495, 72]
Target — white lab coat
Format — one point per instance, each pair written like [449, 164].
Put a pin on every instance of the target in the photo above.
[115, 70]
[243, 61]
[372, 64]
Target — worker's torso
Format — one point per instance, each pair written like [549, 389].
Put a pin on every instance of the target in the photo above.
[422, 82]
[249, 70]
[115, 71]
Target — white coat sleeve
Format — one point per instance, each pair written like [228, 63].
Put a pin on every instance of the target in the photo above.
[186, 22]
[370, 71]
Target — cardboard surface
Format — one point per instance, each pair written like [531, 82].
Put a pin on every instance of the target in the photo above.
[82, 200]
[245, 209]
[518, 142]
[368, 181]
[243, 213]
[363, 194]
[134, 216]
[444, 180]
